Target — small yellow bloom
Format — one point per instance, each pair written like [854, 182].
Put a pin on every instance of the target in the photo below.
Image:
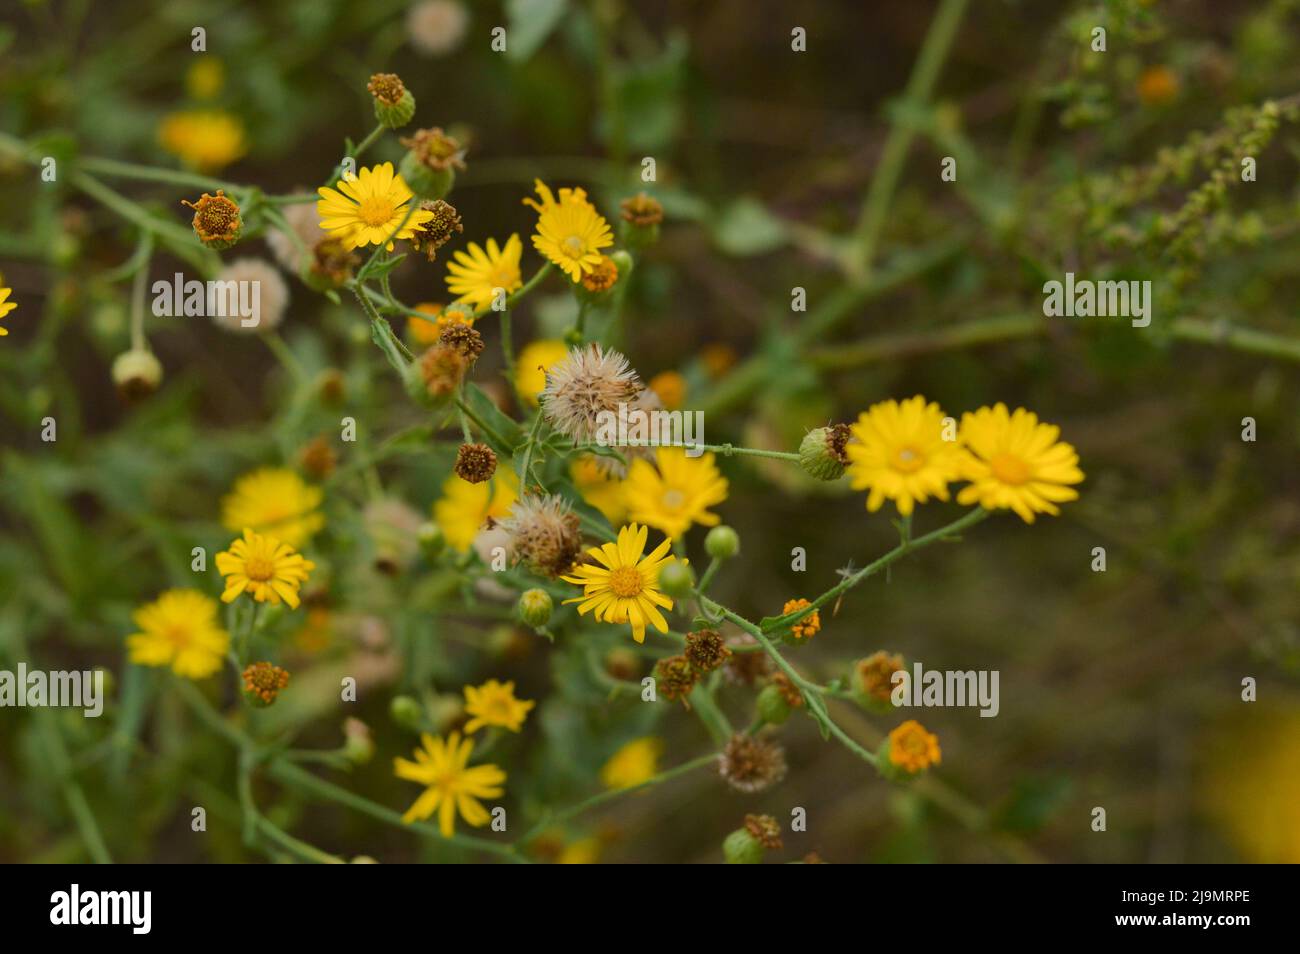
[494, 703]
[635, 763]
[530, 369]
[808, 626]
[675, 492]
[453, 785]
[570, 232]
[263, 566]
[898, 451]
[7, 306]
[179, 629]
[427, 333]
[368, 208]
[598, 488]
[584, 851]
[1015, 462]
[475, 274]
[206, 140]
[205, 77]
[671, 388]
[913, 749]
[464, 507]
[274, 501]
[624, 587]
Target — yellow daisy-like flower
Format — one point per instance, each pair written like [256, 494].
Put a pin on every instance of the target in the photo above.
[624, 587]
[1014, 461]
[274, 501]
[270, 570]
[808, 626]
[899, 452]
[465, 507]
[179, 629]
[494, 703]
[368, 208]
[7, 306]
[912, 748]
[570, 232]
[598, 488]
[453, 785]
[635, 763]
[530, 369]
[475, 273]
[205, 139]
[675, 492]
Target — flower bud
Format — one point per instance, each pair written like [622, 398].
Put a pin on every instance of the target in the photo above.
[217, 221]
[822, 454]
[136, 374]
[406, 712]
[722, 543]
[431, 540]
[676, 579]
[535, 607]
[597, 285]
[641, 218]
[772, 707]
[358, 746]
[430, 164]
[263, 682]
[394, 104]
[742, 848]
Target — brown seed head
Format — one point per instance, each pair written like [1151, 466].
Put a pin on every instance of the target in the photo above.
[387, 88]
[475, 463]
[642, 210]
[264, 681]
[706, 649]
[216, 218]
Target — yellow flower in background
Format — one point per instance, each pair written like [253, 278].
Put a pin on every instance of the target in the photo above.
[530, 368]
[570, 232]
[671, 388]
[6, 306]
[453, 785]
[808, 626]
[1157, 85]
[475, 273]
[898, 451]
[368, 208]
[465, 507]
[584, 851]
[205, 139]
[427, 333]
[205, 77]
[1252, 783]
[598, 488]
[913, 749]
[180, 630]
[624, 587]
[269, 570]
[494, 704]
[635, 763]
[675, 492]
[1015, 462]
[275, 501]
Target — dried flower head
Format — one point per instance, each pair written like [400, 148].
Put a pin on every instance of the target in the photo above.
[463, 337]
[438, 230]
[745, 667]
[789, 691]
[642, 210]
[333, 261]
[544, 534]
[475, 463]
[602, 276]
[435, 150]
[264, 681]
[875, 675]
[216, 219]
[318, 458]
[751, 764]
[442, 367]
[436, 27]
[675, 677]
[706, 649]
[269, 291]
[765, 830]
[807, 626]
[587, 384]
[386, 88]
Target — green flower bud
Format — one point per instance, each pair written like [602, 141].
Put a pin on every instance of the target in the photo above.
[722, 543]
[430, 164]
[822, 454]
[676, 579]
[431, 540]
[394, 104]
[742, 848]
[535, 607]
[358, 746]
[772, 707]
[406, 712]
[426, 182]
[136, 374]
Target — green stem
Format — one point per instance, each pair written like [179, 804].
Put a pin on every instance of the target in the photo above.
[481, 424]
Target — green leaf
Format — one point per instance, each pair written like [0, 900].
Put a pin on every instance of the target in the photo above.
[746, 228]
[502, 426]
[530, 23]
[380, 268]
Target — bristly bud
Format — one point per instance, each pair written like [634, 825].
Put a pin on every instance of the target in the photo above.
[406, 712]
[535, 607]
[136, 374]
[318, 459]
[772, 706]
[438, 374]
[722, 542]
[217, 222]
[263, 682]
[475, 463]
[394, 104]
[676, 579]
[430, 164]
[437, 231]
[742, 848]
[873, 681]
[751, 764]
[431, 540]
[675, 677]
[332, 264]
[641, 218]
[706, 649]
[822, 454]
[765, 828]
[544, 534]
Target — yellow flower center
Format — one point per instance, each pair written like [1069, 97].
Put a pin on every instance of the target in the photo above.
[259, 568]
[908, 460]
[375, 211]
[179, 635]
[1009, 469]
[674, 499]
[625, 582]
[573, 246]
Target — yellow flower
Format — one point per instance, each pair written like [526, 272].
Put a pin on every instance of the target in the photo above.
[570, 232]
[807, 626]
[598, 488]
[275, 501]
[671, 388]
[475, 274]
[369, 207]
[453, 784]
[179, 629]
[584, 851]
[625, 587]
[204, 79]
[530, 369]
[263, 566]
[675, 492]
[1015, 462]
[494, 703]
[7, 306]
[207, 140]
[899, 452]
[913, 749]
[427, 333]
[633, 764]
[465, 507]
[1252, 784]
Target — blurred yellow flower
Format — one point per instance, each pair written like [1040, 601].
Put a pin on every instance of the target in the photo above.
[623, 587]
[179, 629]
[475, 274]
[6, 306]
[464, 507]
[453, 784]
[530, 368]
[494, 704]
[1252, 787]
[427, 333]
[671, 388]
[913, 749]
[598, 488]
[269, 570]
[1015, 462]
[584, 851]
[570, 232]
[370, 208]
[635, 763]
[275, 501]
[898, 451]
[675, 492]
[205, 139]
[205, 77]
[1157, 85]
